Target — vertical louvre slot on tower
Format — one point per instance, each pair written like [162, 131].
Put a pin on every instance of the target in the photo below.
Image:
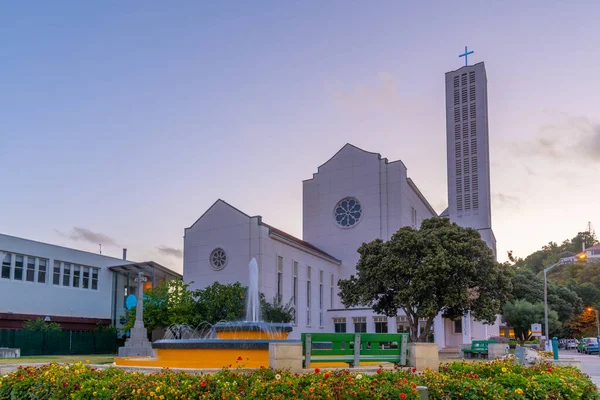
[465, 131]
[475, 196]
[457, 149]
[472, 77]
[457, 114]
[473, 146]
[467, 184]
[463, 79]
[465, 147]
[456, 81]
[458, 169]
[473, 111]
[456, 97]
[457, 132]
[474, 169]
[464, 95]
[475, 183]
[471, 93]
[473, 128]
[465, 113]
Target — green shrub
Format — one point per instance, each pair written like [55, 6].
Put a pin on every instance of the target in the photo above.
[474, 380]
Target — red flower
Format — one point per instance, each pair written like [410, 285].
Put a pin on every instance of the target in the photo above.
[325, 376]
[549, 369]
[65, 384]
[414, 370]
[379, 371]
[402, 395]
[203, 383]
[239, 358]
[317, 370]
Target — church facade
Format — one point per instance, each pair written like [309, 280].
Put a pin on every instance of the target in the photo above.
[355, 197]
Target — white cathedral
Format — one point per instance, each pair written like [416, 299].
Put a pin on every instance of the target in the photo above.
[354, 197]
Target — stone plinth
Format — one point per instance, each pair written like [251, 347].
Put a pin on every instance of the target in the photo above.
[498, 350]
[423, 356]
[286, 355]
[137, 345]
[6, 352]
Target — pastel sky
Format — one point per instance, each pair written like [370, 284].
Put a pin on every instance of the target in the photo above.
[122, 122]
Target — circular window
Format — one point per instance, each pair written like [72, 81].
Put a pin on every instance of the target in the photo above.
[347, 212]
[218, 259]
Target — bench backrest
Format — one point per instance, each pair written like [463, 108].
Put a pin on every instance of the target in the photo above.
[355, 345]
[481, 344]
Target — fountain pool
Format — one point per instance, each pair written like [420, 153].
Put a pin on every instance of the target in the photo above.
[242, 344]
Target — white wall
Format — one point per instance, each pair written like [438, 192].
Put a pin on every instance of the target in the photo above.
[243, 238]
[22, 297]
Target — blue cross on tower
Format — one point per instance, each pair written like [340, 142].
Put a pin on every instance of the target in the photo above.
[466, 56]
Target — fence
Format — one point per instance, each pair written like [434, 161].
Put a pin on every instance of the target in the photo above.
[51, 343]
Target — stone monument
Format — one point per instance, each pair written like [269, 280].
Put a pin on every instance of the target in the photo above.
[138, 343]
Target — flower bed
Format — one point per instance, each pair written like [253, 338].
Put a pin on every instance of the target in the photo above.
[472, 380]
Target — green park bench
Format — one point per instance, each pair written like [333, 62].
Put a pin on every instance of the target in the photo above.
[354, 348]
[478, 348]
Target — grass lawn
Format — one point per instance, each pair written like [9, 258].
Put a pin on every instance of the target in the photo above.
[93, 359]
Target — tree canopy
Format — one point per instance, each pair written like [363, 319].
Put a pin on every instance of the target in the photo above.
[172, 302]
[520, 314]
[440, 268]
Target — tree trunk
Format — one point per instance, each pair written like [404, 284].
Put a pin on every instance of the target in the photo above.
[423, 336]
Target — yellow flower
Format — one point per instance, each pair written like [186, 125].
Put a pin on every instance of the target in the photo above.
[504, 369]
[139, 391]
[157, 389]
[519, 391]
[94, 394]
[87, 361]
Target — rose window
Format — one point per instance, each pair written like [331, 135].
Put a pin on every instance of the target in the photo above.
[347, 212]
[218, 259]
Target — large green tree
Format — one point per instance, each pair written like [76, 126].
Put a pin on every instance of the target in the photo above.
[520, 314]
[166, 304]
[530, 287]
[440, 268]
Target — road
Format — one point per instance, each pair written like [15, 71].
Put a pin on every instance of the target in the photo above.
[590, 363]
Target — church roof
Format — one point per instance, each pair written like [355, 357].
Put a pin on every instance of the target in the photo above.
[445, 213]
[277, 232]
[300, 242]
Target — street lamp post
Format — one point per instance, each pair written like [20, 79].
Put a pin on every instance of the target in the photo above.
[580, 257]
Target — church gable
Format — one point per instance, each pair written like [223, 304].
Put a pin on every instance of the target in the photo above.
[220, 214]
[348, 157]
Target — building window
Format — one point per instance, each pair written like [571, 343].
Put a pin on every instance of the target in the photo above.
[67, 274]
[85, 282]
[458, 326]
[308, 296]
[218, 259]
[42, 271]
[402, 325]
[6, 266]
[413, 217]
[94, 278]
[56, 276]
[339, 325]
[30, 277]
[295, 290]
[76, 276]
[381, 324]
[279, 279]
[331, 294]
[320, 298]
[347, 212]
[360, 324]
[19, 268]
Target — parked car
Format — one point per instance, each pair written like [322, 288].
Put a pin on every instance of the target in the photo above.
[568, 344]
[588, 345]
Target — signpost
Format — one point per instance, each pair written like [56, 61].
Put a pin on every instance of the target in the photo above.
[536, 330]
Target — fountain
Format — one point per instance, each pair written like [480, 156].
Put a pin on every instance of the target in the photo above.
[228, 343]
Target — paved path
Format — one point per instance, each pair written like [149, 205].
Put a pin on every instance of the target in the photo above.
[590, 363]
